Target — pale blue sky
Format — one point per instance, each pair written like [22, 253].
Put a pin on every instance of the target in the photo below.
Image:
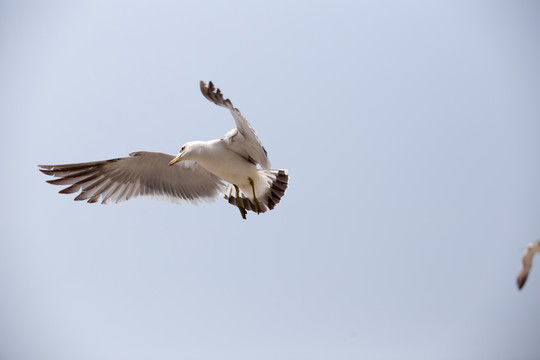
[411, 132]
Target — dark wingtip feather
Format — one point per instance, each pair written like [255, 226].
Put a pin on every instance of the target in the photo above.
[521, 281]
[71, 189]
[214, 95]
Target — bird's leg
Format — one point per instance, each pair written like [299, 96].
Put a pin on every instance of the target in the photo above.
[243, 211]
[257, 206]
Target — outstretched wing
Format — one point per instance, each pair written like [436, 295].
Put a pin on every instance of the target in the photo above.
[527, 263]
[140, 174]
[243, 141]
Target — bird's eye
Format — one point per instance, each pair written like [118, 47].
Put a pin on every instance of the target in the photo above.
[183, 148]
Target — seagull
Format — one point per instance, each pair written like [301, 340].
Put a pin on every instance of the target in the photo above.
[532, 248]
[200, 172]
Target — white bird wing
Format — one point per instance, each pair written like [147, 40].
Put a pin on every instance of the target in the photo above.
[243, 140]
[527, 263]
[140, 174]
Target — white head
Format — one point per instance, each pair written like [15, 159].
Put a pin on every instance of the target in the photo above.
[187, 152]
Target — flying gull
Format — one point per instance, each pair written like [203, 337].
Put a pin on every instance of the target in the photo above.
[532, 248]
[199, 173]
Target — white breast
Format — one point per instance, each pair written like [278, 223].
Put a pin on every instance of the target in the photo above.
[215, 157]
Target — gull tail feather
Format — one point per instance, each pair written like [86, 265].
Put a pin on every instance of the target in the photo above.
[276, 185]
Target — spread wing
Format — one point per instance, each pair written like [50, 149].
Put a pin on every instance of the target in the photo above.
[243, 139]
[140, 174]
[527, 263]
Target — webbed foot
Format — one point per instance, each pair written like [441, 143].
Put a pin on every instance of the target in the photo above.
[243, 211]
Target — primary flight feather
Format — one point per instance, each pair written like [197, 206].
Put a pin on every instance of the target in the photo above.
[526, 263]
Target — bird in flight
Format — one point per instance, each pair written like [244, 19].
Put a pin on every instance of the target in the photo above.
[532, 248]
[198, 173]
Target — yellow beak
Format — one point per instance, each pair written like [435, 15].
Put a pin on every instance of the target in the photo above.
[175, 160]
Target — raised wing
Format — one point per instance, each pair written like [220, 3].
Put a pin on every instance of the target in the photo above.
[527, 263]
[140, 174]
[245, 140]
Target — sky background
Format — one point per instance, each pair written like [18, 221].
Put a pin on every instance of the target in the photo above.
[411, 134]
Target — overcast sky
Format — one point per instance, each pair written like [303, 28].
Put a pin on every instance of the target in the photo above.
[411, 132]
